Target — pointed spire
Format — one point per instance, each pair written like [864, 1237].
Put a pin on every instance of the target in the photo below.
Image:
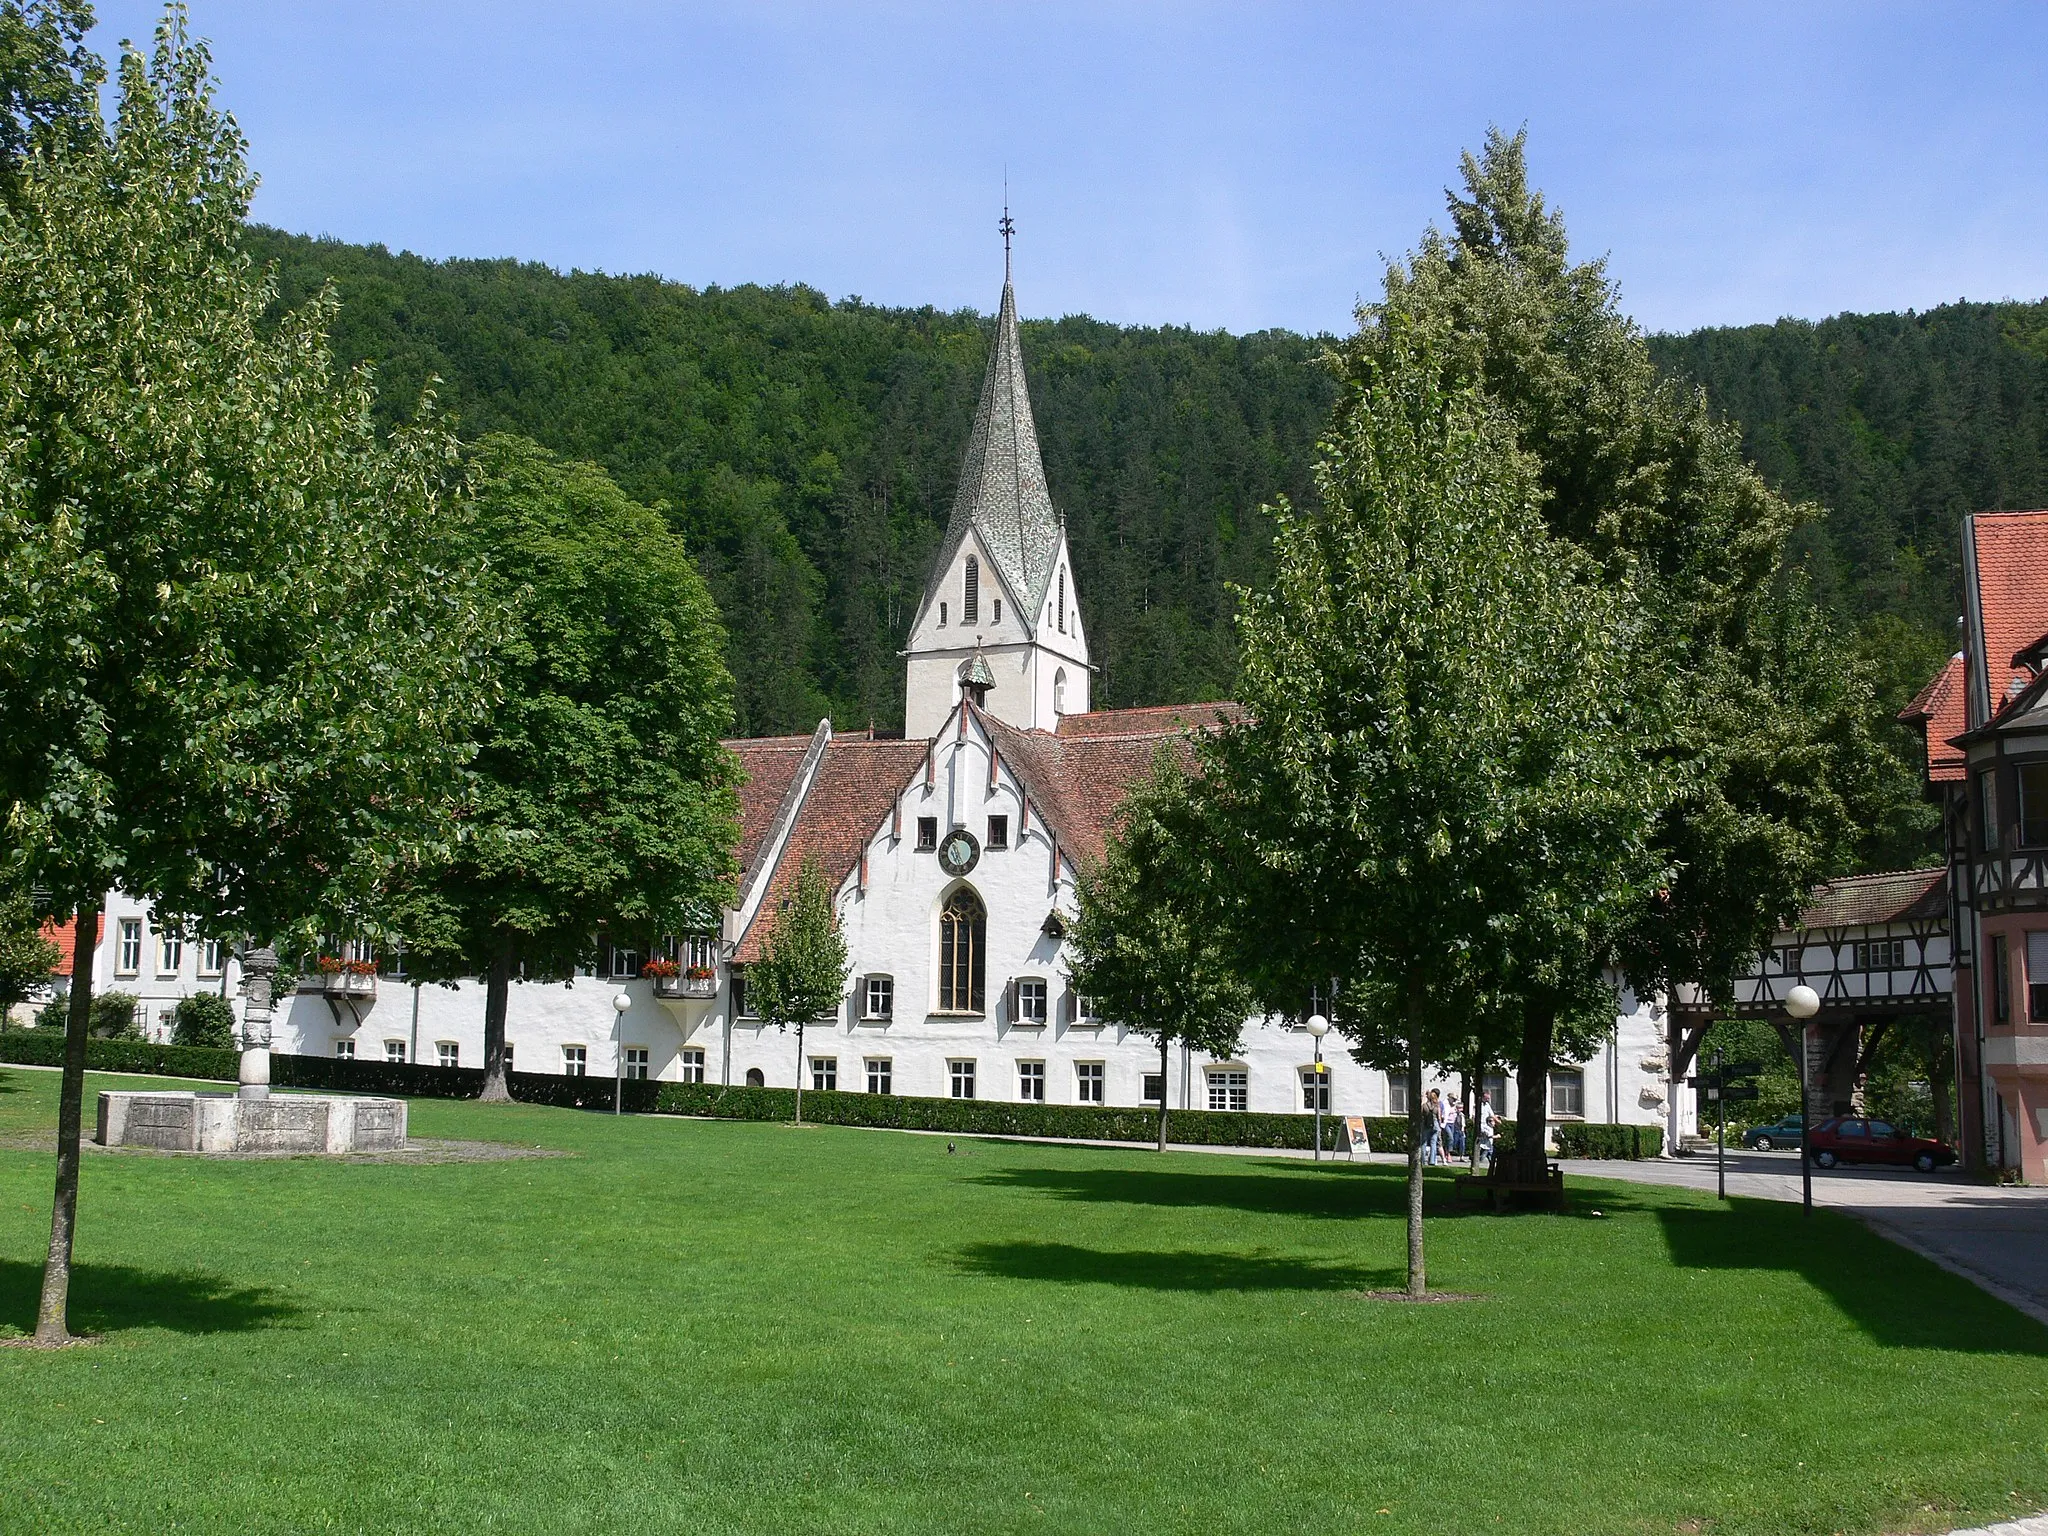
[1002, 494]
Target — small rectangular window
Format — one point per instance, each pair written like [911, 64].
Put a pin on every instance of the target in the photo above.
[998, 832]
[1086, 1009]
[128, 960]
[962, 1074]
[2033, 782]
[1311, 1081]
[2001, 980]
[1155, 1087]
[394, 1050]
[170, 954]
[880, 1002]
[625, 963]
[1568, 1093]
[1397, 1094]
[996, 608]
[508, 1055]
[927, 833]
[1031, 1000]
[1229, 1090]
[1987, 809]
[213, 957]
[1881, 955]
[450, 1053]
[2037, 978]
[344, 1050]
[881, 1074]
[1031, 1082]
[636, 1063]
[742, 1006]
[1494, 1086]
[693, 1064]
[970, 592]
[1088, 1082]
[575, 1061]
[824, 1074]
[942, 615]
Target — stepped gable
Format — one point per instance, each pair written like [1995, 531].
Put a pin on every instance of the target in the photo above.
[1896, 896]
[1079, 777]
[768, 766]
[857, 781]
[1002, 493]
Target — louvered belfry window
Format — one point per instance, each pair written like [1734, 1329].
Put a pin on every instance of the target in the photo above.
[970, 596]
[963, 935]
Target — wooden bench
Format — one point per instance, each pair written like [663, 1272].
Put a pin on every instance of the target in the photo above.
[1497, 1189]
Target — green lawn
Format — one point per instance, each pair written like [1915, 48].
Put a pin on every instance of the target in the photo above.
[690, 1326]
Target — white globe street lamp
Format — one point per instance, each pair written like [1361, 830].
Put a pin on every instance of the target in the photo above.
[1802, 1002]
[1319, 1026]
[620, 1003]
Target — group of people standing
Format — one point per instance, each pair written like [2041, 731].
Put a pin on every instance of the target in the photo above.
[1445, 1126]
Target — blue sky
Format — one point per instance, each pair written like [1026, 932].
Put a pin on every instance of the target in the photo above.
[1215, 165]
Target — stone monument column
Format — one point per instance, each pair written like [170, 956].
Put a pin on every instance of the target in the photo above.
[259, 972]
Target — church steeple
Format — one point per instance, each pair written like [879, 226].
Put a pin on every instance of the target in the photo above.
[1001, 579]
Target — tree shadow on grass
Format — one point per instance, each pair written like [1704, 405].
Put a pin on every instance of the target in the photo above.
[1184, 1270]
[1343, 1191]
[111, 1298]
[1897, 1298]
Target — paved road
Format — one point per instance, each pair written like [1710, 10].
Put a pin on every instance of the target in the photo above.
[1996, 1237]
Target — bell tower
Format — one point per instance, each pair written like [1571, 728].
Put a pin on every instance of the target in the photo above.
[1001, 617]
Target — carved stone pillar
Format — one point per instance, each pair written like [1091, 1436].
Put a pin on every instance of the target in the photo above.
[259, 973]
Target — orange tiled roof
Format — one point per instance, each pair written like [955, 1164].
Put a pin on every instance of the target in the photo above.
[856, 783]
[1155, 719]
[62, 934]
[768, 766]
[1938, 710]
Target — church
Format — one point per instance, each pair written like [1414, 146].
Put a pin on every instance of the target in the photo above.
[953, 850]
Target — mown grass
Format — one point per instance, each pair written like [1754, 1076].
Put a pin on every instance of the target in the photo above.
[732, 1327]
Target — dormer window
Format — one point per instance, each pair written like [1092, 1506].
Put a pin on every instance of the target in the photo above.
[970, 592]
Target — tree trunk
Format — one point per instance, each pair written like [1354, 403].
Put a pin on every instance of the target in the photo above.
[1164, 1039]
[1418, 1280]
[52, 1326]
[497, 997]
[799, 1071]
[1532, 1088]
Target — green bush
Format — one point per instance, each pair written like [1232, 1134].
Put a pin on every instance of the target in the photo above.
[1608, 1141]
[983, 1117]
[204, 1019]
[114, 1015]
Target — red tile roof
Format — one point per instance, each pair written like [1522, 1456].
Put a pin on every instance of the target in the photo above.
[1156, 719]
[62, 934]
[1938, 710]
[768, 765]
[849, 797]
[1896, 896]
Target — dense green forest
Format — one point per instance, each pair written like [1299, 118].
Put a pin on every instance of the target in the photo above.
[807, 450]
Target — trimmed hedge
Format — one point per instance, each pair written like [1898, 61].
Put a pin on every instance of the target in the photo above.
[983, 1117]
[45, 1048]
[1608, 1141]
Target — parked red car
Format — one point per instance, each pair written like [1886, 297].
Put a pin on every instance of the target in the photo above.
[1852, 1139]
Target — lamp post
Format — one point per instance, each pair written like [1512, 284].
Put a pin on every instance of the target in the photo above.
[1802, 1002]
[1714, 1064]
[1319, 1027]
[620, 1004]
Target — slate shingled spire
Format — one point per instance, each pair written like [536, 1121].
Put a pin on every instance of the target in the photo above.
[1002, 494]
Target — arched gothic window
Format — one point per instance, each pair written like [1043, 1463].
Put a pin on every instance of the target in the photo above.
[963, 967]
[1059, 691]
[970, 594]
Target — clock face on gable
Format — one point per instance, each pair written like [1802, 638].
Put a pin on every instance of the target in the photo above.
[958, 851]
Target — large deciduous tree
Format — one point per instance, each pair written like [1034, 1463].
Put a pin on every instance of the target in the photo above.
[49, 83]
[1773, 749]
[601, 801]
[1433, 783]
[801, 975]
[1143, 945]
[236, 668]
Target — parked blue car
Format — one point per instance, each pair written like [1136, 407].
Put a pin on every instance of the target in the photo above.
[1768, 1138]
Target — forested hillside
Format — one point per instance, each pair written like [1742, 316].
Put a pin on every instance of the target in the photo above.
[807, 450]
